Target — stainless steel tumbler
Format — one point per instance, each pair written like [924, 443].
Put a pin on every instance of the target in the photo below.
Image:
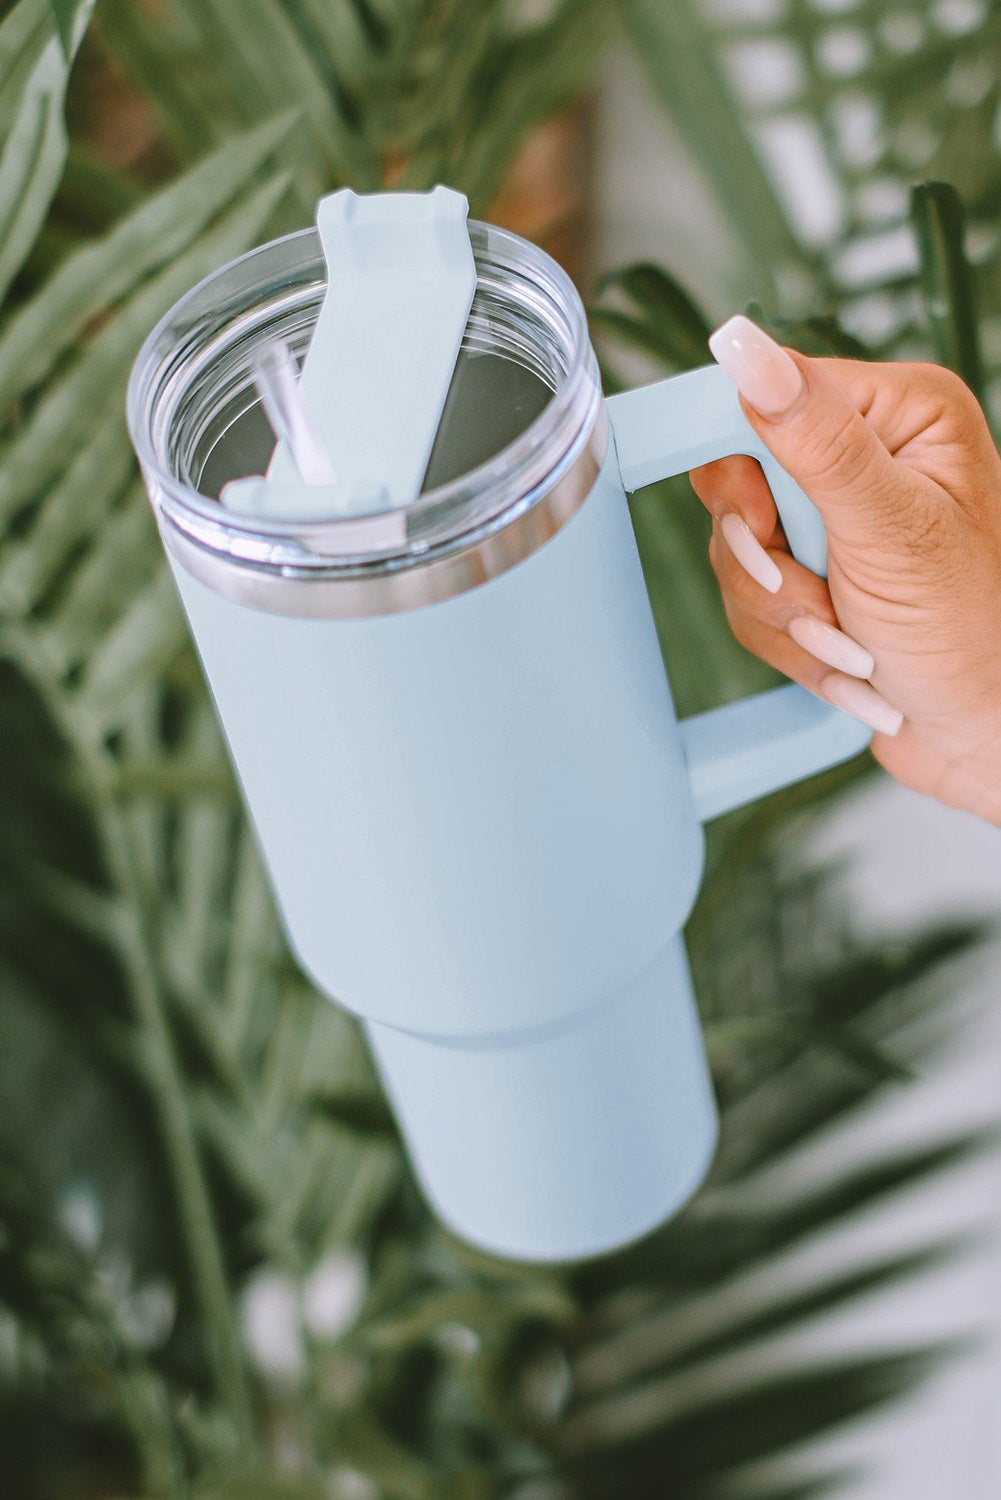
[457, 744]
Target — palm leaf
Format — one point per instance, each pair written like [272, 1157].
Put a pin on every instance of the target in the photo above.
[42, 446]
[727, 1428]
[423, 94]
[64, 13]
[99, 275]
[674, 43]
[938, 220]
[875, 103]
[34, 69]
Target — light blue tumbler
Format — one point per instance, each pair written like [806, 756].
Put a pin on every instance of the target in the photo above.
[456, 741]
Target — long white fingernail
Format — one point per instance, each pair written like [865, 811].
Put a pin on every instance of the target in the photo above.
[749, 552]
[830, 645]
[764, 374]
[862, 701]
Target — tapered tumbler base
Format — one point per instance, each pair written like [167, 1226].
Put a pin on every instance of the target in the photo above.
[569, 1141]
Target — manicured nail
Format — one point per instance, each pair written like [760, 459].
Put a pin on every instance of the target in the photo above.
[749, 552]
[830, 645]
[862, 701]
[760, 368]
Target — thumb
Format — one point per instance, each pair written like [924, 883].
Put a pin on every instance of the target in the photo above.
[814, 428]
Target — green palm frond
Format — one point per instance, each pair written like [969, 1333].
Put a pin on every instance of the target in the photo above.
[414, 94]
[676, 45]
[945, 279]
[683, 1336]
[34, 71]
[877, 101]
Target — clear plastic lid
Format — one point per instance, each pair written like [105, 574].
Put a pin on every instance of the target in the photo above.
[195, 421]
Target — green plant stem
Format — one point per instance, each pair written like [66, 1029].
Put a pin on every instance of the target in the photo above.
[203, 1243]
[200, 1233]
[937, 218]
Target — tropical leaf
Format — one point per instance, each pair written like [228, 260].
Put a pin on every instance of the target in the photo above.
[675, 45]
[34, 70]
[99, 275]
[713, 1425]
[422, 94]
[40, 448]
[661, 320]
[860, 109]
[64, 13]
[945, 279]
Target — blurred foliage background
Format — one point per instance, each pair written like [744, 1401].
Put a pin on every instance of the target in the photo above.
[216, 1277]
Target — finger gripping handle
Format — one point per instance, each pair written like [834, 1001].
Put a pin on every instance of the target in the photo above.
[678, 424]
[747, 749]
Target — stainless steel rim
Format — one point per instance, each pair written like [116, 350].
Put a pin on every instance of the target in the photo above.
[344, 593]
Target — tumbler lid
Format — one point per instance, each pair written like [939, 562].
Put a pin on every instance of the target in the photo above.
[192, 387]
[565, 1142]
[400, 282]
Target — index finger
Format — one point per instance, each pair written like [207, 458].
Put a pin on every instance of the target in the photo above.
[738, 484]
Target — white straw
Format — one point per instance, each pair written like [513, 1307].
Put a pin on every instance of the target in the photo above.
[276, 378]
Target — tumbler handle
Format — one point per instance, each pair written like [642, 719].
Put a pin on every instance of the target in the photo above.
[759, 744]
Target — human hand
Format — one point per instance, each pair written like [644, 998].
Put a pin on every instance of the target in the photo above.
[899, 462]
